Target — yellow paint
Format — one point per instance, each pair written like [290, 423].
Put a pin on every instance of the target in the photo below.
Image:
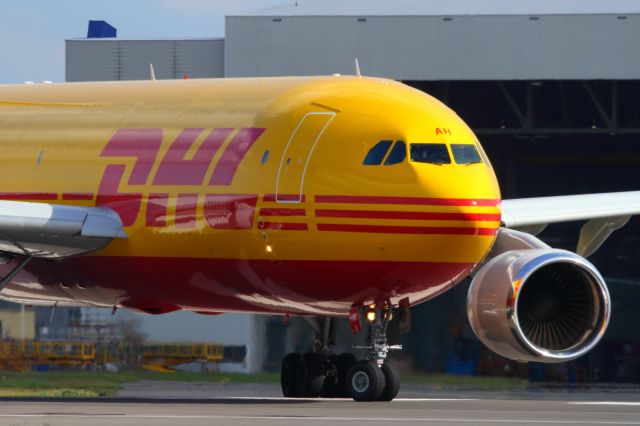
[72, 123]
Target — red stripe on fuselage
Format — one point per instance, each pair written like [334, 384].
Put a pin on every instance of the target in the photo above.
[358, 199]
[28, 196]
[271, 198]
[284, 226]
[426, 230]
[371, 214]
[282, 212]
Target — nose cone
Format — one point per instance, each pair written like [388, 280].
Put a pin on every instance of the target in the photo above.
[473, 182]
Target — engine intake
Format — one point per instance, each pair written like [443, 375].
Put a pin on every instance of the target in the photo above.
[539, 305]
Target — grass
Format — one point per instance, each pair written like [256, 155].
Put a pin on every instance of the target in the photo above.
[88, 384]
[94, 384]
[475, 382]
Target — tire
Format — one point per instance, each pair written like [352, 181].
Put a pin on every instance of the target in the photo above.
[310, 375]
[288, 379]
[344, 363]
[365, 381]
[391, 382]
[330, 387]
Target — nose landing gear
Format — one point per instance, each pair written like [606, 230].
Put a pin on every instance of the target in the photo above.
[321, 373]
[382, 381]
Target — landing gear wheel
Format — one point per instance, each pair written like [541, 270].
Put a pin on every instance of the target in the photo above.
[288, 379]
[391, 382]
[365, 381]
[310, 375]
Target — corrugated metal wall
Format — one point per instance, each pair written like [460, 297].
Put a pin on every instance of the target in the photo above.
[107, 60]
[436, 48]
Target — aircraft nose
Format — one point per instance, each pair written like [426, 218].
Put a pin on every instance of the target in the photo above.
[465, 199]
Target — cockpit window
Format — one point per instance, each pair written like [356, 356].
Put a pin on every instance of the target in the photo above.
[376, 154]
[397, 155]
[465, 154]
[433, 153]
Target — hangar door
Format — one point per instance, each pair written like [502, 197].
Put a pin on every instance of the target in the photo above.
[297, 154]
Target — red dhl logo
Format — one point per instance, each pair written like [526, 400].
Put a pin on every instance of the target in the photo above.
[175, 169]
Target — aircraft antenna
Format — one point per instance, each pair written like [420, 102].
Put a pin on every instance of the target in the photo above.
[153, 72]
[358, 69]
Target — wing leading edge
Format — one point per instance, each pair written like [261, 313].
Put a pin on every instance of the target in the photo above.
[53, 231]
[604, 213]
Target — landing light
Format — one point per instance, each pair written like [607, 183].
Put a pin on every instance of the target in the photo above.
[269, 249]
[371, 316]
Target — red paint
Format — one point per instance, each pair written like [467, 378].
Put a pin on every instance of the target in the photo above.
[354, 319]
[427, 230]
[77, 196]
[28, 196]
[149, 305]
[226, 211]
[281, 286]
[282, 212]
[284, 226]
[142, 144]
[186, 209]
[271, 198]
[174, 169]
[127, 205]
[157, 210]
[358, 199]
[371, 214]
[234, 154]
[443, 131]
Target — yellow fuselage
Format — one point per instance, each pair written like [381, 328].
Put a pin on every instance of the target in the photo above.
[248, 194]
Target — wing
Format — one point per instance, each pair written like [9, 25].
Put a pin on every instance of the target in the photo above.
[604, 214]
[55, 231]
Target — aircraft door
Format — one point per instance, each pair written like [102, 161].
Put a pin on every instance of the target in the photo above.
[297, 154]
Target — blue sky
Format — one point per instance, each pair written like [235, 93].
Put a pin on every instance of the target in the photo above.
[32, 32]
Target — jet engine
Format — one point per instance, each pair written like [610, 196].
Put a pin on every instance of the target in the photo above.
[542, 305]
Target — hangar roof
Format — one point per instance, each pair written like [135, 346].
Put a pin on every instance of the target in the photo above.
[448, 7]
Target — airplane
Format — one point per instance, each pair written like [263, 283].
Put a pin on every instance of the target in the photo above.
[322, 197]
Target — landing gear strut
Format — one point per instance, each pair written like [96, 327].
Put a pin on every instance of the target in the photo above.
[322, 373]
[373, 379]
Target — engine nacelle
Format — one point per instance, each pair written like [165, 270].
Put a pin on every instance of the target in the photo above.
[543, 305]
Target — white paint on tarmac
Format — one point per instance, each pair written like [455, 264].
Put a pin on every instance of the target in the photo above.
[315, 418]
[637, 404]
[281, 398]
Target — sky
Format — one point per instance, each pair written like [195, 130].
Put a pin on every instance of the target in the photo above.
[32, 32]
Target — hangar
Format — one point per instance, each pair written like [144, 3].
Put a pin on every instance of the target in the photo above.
[552, 89]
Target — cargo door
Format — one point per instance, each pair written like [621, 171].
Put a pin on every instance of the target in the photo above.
[297, 154]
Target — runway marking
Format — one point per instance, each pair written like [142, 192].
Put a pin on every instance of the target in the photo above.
[605, 403]
[329, 419]
[280, 398]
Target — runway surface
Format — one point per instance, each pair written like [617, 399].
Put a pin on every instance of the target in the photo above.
[502, 408]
